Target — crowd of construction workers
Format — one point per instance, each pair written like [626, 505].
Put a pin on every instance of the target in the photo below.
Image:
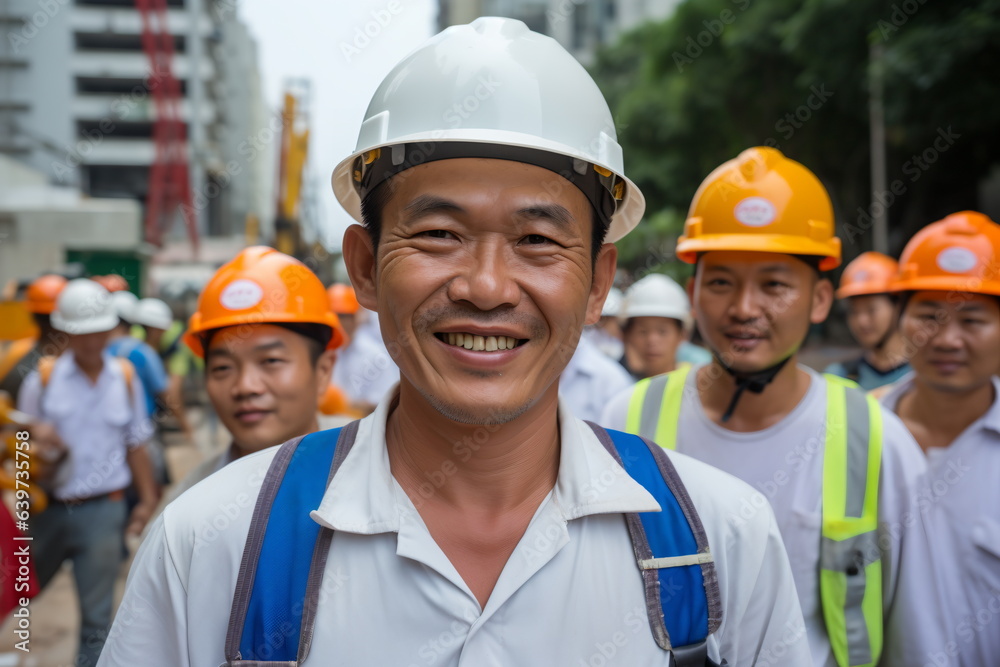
[485, 452]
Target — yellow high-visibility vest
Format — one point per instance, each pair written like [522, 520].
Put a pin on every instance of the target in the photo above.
[850, 568]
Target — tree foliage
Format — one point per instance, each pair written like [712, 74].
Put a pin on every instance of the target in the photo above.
[720, 76]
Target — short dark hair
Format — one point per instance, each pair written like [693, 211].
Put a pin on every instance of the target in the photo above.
[376, 201]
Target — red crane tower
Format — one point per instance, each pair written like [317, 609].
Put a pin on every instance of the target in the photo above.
[169, 176]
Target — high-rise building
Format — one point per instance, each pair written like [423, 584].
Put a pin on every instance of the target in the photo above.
[76, 101]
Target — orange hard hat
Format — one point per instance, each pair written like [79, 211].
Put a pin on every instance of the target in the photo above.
[343, 300]
[262, 286]
[41, 295]
[761, 201]
[958, 254]
[868, 273]
[112, 282]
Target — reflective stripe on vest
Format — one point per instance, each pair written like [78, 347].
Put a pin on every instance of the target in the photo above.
[850, 577]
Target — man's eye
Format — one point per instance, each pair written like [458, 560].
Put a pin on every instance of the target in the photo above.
[437, 234]
[536, 239]
[273, 360]
[218, 369]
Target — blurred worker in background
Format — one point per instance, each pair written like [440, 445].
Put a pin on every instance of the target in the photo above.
[149, 367]
[871, 317]
[268, 337]
[21, 356]
[590, 380]
[656, 316]
[606, 335]
[97, 406]
[364, 369]
[838, 470]
[949, 282]
[163, 333]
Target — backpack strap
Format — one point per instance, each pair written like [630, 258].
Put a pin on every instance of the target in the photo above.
[128, 373]
[683, 600]
[272, 618]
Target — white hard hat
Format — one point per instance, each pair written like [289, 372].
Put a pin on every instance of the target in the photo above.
[84, 307]
[124, 304]
[152, 313]
[657, 295]
[613, 304]
[493, 89]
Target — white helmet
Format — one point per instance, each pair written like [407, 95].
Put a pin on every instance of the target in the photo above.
[613, 304]
[84, 307]
[657, 295]
[124, 304]
[152, 313]
[493, 89]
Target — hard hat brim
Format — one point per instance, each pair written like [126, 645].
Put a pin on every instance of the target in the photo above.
[688, 249]
[957, 283]
[627, 215]
[93, 325]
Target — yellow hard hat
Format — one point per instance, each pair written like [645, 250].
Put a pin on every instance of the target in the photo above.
[761, 201]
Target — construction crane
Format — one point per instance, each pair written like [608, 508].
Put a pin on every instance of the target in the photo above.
[169, 175]
[293, 151]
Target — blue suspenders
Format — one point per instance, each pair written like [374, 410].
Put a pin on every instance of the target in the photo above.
[274, 606]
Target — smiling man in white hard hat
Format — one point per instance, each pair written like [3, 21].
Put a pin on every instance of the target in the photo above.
[98, 408]
[471, 519]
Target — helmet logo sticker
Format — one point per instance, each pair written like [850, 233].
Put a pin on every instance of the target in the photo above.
[957, 260]
[755, 212]
[241, 294]
[862, 275]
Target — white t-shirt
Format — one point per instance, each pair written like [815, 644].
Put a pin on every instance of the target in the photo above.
[959, 562]
[590, 379]
[570, 593]
[784, 463]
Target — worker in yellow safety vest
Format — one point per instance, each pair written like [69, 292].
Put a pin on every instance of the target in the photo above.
[836, 468]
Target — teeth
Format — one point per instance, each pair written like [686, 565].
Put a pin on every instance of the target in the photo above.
[481, 343]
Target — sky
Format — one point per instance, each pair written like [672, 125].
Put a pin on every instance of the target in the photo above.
[345, 49]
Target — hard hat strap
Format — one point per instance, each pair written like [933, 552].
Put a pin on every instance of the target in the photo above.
[754, 382]
[600, 185]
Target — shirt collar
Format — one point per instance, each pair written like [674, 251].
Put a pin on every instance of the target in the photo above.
[365, 498]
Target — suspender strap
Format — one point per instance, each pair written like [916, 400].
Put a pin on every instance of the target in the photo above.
[655, 407]
[850, 559]
[272, 618]
[683, 601]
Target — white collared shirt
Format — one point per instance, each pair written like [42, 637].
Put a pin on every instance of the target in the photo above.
[590, 380]
[952, 578]
[785, 465]
[98, 421]
[570, 594]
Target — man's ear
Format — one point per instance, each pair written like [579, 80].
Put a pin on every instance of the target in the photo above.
[604, 278]
[359, 257]
[822, 301]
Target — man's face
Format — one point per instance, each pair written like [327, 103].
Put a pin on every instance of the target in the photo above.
[955, 339]
[869, 317]
[755, 308]
[655, 340]
[87, 348]
[263, 384]
[483, 282]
